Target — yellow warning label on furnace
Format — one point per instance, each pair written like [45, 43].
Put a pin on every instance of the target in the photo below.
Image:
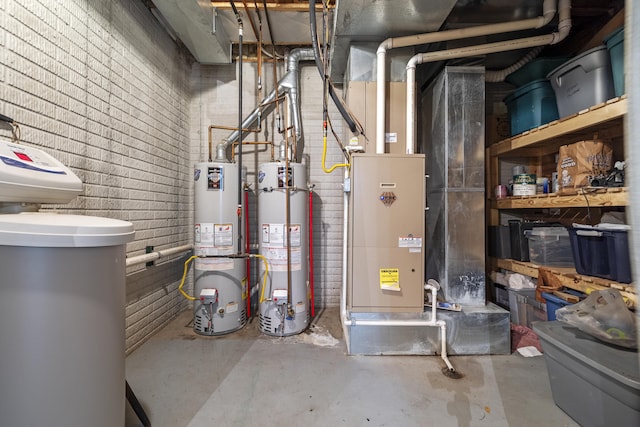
[390, 279]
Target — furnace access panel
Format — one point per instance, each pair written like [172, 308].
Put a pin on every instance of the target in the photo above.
[386, 233]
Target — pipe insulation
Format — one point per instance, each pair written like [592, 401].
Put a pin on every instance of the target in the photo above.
[548, 12]
[289, 84]
[564, 26]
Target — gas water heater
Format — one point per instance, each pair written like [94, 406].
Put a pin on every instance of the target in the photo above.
[220, 283]
[283, 221]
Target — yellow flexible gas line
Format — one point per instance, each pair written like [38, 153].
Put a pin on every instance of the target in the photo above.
[324, 156]
[184, 276]
[266, 273]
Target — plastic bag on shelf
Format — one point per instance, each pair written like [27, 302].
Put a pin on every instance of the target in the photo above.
[604, 315]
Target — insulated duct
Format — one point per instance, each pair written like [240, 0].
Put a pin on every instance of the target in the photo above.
[549, 11]
[289, 84]
[564, 25]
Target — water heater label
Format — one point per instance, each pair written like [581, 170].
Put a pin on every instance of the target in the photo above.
[214, 264]
[285, 177]
[294, 234]
[232, 307]
[277, 258]
[390, 279]
[223, 235]
[215, 178]
[206, 233]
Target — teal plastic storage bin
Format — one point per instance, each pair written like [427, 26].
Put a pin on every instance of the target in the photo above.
[530, 106]
[537, 69]
[615, 45]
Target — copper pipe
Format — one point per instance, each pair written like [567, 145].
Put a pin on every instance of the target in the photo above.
[209, 137]
[233, 128]
[233, 147]
[253, 25]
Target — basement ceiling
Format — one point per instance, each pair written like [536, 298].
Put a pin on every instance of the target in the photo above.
[210, 29]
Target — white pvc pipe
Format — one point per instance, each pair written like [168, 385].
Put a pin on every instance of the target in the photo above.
[548, 12]
[563, 30]
[442, 335]
[345, 235]
[411, 94]
[495, 76]
[152, 256]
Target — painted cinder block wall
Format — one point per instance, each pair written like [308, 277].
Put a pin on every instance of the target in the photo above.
[100, 85]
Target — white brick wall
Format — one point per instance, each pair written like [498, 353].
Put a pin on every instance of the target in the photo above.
[101, 86]
[215, 102]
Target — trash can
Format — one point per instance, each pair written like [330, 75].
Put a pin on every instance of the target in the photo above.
[62, 297]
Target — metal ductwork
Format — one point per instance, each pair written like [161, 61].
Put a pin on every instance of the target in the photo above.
[289, 84]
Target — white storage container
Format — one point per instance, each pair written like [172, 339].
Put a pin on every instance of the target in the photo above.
[583, 82]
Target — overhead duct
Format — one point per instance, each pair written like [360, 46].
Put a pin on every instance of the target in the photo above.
[198, 26]
[289, 84]
[564, 26]
[549, 11]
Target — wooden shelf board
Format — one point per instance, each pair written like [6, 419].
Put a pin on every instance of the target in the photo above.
[590, 197]
[575, 126]
[571, 279]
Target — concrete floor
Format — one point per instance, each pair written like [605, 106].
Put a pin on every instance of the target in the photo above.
[246, 378]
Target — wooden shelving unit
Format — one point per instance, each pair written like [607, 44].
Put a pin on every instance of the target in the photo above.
[571, 279]
[604, 120]
[588, 197]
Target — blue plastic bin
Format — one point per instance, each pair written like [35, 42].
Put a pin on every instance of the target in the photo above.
[615, 45]
[553, 303]
[601, 253]
[531, 105]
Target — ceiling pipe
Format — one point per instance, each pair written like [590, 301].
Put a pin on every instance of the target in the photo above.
[564, 26]
[548, 12]
[353, 124]
[289, 84]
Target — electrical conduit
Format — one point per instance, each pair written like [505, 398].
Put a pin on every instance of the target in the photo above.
[548, 12]
[564, 26]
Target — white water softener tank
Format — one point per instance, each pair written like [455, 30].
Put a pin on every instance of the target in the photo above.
[284, 301]
[220, 286]
[62, 297]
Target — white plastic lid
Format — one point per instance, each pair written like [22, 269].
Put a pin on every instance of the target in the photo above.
[547, 232]
[42, 229]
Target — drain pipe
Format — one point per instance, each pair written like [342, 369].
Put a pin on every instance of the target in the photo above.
[495, 76]
[548, 12]
[290, 84]
[564, 26]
